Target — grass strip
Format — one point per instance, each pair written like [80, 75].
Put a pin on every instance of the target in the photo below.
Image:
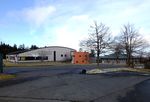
[6, 76]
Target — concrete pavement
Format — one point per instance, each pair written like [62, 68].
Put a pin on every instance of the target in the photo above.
[71, 88]
[65, 84]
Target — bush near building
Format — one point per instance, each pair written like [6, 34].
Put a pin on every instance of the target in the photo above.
[147, 65]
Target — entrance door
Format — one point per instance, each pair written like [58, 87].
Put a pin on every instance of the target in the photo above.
[54, 56]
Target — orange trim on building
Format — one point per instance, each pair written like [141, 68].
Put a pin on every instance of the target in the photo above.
[81, 58]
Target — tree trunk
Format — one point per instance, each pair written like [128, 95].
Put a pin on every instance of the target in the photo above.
[98, 57]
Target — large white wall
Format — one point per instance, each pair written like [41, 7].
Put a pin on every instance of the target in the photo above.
[49, 51]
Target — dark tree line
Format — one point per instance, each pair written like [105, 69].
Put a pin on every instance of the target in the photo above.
[6, 48]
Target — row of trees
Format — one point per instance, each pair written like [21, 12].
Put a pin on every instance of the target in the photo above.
[6, 48]
[129, 41]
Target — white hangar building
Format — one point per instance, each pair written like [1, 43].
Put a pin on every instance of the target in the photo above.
[52, 53]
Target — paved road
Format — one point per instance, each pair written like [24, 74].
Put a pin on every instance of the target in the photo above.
[65, 84]
[73, 68]
[139, 93]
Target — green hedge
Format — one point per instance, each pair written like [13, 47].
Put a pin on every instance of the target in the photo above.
[147, 65]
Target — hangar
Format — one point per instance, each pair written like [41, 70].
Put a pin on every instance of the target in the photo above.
[52, 53]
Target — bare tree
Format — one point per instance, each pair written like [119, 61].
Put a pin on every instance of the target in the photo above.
[131, 41]
[99, 39]
[148, 56]
[117, 49]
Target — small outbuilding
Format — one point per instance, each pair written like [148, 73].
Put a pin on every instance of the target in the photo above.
[80, 58]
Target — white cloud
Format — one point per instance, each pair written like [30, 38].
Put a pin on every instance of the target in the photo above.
[80, 17]
[65, 37]
[74, 30]
[38, 15]
[145, 33]
[37, 19]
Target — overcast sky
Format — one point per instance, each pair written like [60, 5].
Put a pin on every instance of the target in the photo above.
[66, 22]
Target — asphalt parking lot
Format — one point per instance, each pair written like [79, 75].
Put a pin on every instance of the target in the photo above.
[65, 84]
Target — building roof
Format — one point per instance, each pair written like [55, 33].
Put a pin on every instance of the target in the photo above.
[57, 47]
[18, 52]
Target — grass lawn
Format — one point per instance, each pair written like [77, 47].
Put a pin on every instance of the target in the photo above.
[30, 64]
[6, 76]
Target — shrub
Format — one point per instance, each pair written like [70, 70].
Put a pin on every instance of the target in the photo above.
[83, 71]
[147, 65]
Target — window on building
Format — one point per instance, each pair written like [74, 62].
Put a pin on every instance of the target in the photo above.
[29, 58]
[61, 55]
[42, 58]
[65, 55]
[12, 58]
